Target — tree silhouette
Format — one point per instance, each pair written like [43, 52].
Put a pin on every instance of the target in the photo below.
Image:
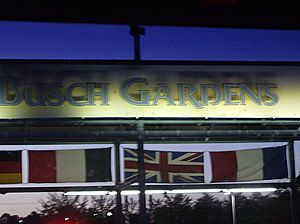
[59, 208]
[173, 209]
[57, 203]
[9, 219]
[261, 209]
[208, 209]
[170, 209]
[33, 218]
[247, 209]
[276, 208]
[132, 206]
[101, 205]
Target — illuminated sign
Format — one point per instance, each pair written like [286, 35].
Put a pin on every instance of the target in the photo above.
[56, 94]
[58, 90]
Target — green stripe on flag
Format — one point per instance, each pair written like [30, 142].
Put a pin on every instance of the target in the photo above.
[98, 165]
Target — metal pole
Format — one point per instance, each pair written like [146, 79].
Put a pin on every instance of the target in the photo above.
[141, 174]
[151, 210]
[233, 208]
[136, 31]
[126, 211]
[293, 190]
[118, 208]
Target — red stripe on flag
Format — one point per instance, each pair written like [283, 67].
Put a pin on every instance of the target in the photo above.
[10, 167]
[131, 164]
[169, 168]
[42, 167]
[224, 166]
[163, 164]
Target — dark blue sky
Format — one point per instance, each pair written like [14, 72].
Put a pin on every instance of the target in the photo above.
[82, 41]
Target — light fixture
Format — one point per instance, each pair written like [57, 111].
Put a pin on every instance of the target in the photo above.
[175, 191]
[130, 192]
[155, 191]
[76, 193]
[190, 191]
[250, 190]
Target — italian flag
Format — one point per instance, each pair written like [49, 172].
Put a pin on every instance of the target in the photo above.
[61, 166]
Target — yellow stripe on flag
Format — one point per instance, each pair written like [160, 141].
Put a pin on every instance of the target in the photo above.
[10, 178]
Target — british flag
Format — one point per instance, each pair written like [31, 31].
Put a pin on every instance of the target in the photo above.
[166, 167]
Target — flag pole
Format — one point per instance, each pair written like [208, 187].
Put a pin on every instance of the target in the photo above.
[141, 174]
[293, 189]
[136, 31]
[118, 208]
[233, 207]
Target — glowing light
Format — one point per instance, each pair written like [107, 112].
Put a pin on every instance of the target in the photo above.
[66, 219]
[175, 191]
[250, 190]
[190, 191]
[109, 213]
[75, 193]
[155, 191]
[130, 192]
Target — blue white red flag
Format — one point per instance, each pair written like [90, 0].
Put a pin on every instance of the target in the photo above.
[166, 167]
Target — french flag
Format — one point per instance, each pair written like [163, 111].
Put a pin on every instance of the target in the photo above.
[249, 165]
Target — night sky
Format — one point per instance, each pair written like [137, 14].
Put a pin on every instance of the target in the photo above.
[83, 41]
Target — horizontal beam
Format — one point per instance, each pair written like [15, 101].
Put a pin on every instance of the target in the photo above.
[88, 134]
[280, 185]
[54, 189]
[192, 121]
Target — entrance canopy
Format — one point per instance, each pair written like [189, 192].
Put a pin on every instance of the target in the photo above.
[120, 102]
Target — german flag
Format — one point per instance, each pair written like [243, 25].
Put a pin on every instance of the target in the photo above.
[10, 167]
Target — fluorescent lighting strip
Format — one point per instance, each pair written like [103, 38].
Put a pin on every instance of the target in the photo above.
[130, 192]
[183, 191]
[190, 191]
[75, 193]
[249, 190]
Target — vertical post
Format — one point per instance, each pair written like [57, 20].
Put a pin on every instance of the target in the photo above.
[141, 174]
[136, 31]
[118, 208]
[293, 190]
[151, 210]
[233, 208]
[126, 211]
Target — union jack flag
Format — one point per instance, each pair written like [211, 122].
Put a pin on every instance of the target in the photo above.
[166, 167]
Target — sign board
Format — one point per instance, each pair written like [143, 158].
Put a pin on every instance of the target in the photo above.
[120, 90]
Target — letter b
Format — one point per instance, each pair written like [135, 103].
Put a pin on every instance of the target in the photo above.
[9, 86]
